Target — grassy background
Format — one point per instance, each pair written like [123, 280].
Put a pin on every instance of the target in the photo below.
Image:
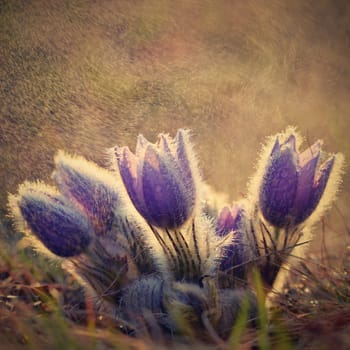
[86, 75]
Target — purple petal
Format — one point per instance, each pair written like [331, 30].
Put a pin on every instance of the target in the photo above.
[182, 154]
[165, 149]
[279, 187]
[290, 142]
[276, 148]
[185, 165]
[129, 169]
[141, 145]
[225, 220]
[229, 220]
[320, 184]
[306, 177]
[90, 194]
[309, 154]
[61, 228]
[165, 197]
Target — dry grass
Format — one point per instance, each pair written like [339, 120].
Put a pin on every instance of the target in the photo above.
[42, 307]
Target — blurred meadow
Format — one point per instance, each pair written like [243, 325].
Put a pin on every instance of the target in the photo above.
[85, 75]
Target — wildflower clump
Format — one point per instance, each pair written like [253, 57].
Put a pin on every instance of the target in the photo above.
[147, 243]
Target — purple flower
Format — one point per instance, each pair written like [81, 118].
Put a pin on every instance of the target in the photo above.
[89, 187]
[59, 226]
[291, 189]
[230, 220]
[159, 179]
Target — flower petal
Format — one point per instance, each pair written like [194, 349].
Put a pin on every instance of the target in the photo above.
[141, 145]
[165, 148]
[301, 208]
[89, 187]
[184, 161]
[290, 142]
[279, 186]
[276, 148]
[310, 153]
[165, 198]
[129, 169]
[229, 220]
[182, 153]
[320, 183]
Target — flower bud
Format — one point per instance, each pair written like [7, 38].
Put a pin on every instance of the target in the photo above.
[229, 219]
[59, 226]
[89, 187]
[233, 256]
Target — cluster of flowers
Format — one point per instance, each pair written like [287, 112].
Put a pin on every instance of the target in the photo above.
[151, 243]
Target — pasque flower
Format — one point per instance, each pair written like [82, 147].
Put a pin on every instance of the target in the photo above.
[159, 179]
[63, 229]
[90, 187]
[291, 189]
[230, 221]
[187, 260]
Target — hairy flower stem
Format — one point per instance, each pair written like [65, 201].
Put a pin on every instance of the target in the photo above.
[182, 253]
[271, 246]
[104, 273]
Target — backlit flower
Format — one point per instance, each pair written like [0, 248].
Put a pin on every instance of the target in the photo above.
[159, 179]
[59, 226]
[89, 187]
[291, 189]
[230, 221]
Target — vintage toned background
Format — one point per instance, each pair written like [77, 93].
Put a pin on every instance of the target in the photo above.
[86, 75]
